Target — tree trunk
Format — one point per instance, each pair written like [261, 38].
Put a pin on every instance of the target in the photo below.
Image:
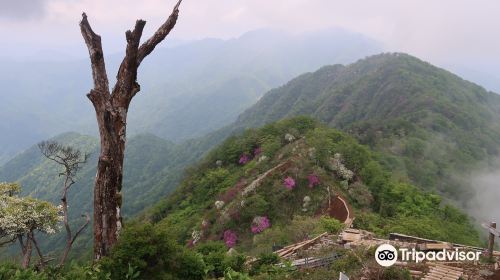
[111, 112]
[70, 238]
[38, 251]
[108, 182]
[26, 250]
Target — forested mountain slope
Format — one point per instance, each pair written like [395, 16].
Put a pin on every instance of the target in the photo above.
[433, 125]
[153, 167]
[270, 186]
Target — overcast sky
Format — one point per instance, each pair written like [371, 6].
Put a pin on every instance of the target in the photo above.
[458, 32]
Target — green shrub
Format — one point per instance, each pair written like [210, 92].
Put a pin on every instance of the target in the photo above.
[153, 254]
[331, 225]
[230, 274]
[191, 266]
[217, 260]
[299, 228]
[347, 263]
[395, 273]
[7, 271]
[264, 263]
[255, 205]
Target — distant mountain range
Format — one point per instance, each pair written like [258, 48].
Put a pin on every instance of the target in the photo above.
[188, 90]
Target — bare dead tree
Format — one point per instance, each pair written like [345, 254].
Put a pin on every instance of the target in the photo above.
[71, 160]
[111, 112]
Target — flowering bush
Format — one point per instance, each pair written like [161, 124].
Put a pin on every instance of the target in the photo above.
[289, 183]
[196, 236]
[313, 180]
[339, 167]
[230, 238]
[20, 216]
[7, 189]
[244, 158]
[219, 204]
[257, 151]
[289, 137]
[307, 200]
[259, 224]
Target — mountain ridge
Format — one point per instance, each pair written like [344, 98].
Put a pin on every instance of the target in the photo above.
[434, 110]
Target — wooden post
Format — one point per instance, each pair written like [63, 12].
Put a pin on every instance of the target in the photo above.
[491, 242]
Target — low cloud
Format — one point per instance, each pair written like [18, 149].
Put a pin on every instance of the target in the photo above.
[484, 203]
[22, 9]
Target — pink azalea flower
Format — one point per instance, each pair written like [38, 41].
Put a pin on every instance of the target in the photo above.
[257, 151]
[313, 180]
[230, 238]
[289, 183]
[244, 158]
[259, 224]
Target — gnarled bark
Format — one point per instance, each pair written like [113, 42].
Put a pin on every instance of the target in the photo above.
[111, 112]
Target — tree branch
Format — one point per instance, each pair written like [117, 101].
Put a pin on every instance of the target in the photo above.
[93, 42]
[127, 74]
[87, 221]
[162, 32]
[8, 241]
[71, 240]
[39, 252]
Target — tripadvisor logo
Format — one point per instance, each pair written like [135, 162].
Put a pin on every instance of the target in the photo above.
[386, 255]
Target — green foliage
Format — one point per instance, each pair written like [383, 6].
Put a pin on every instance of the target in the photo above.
[347, 263]
[72, 272]
[84, 272]
[218, 261]
[331, 225]
[7, 271]
[396, 273]
[264, 263]
[150, 253]
[297, 229]
[230, 274]
[256, 205]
